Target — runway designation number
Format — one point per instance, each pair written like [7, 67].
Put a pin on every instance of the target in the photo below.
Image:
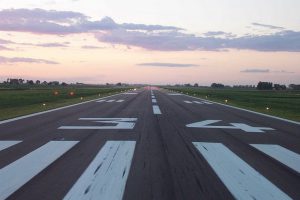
[101, 123]
[241, 126]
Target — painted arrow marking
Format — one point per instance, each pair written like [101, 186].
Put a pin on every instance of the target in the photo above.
[118, 123]
[241, 126]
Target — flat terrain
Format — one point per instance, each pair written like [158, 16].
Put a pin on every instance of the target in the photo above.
[285, 103]
[16, 102]
[149, 144]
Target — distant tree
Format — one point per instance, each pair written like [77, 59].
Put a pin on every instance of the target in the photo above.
[187, 85]
[29, 82]
[196, 85]
[294, 86]
[64, 84]
[45, 83]
[119, 84]
[264, 85]
[217, 85]
[279, 87]
[37, 82]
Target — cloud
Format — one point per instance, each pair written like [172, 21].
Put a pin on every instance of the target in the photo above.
[157, 64]
[91, 47]
[51, 45]
[150, 37]
[256, 71]
[3, 48]
[266, 71]
[268, 26]
[6, 60]
[41, 21]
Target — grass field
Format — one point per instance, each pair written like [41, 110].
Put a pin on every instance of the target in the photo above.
[285, 104]
[17, 102]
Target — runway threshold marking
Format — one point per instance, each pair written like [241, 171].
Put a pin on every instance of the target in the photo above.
[106, 176]
[243, 181]
[241, 126]
[281, 154]
[154, 101]
[16, 174]
[117, 123]
[156, 110]
[7, 144]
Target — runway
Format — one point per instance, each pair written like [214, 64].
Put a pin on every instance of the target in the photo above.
[149, 144]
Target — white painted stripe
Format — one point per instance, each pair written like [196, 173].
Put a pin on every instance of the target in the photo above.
[6, 144]
[243, 181]
[187, 101]
[16, 174]
[100, 101]
[52, 110]
[106, 176]
[153, 97]
[283, 155]
[174, 94]
[207, 102]
[109, 101]
[198, 102]
[156, 110]
[250, 111]
[119, 101]
[130, 93]
[154, 101]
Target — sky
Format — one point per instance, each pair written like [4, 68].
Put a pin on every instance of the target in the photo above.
[153, 42]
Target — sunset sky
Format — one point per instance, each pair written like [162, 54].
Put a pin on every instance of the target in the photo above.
[154, 42]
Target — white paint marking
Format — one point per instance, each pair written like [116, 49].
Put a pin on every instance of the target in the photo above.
[6, 144]
[156, 110]
[243, 181]
[154, 101]
[106, 176]
[198, 102]
[187, 101]
[120, 123]
[16, 174]
[119, 101]
[100, 101]
[283, 155]
[241, 126]
[207, 102]
[109, 101]
[153, 97]
[130, 93]
[174, 94]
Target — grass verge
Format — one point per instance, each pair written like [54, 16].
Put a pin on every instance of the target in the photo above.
[285, 104]
[18, 102]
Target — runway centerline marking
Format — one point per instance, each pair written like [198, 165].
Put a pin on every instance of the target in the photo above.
[154, 101]
[7, 144]
[156, 110]
[281, 154]
[119, 101]
[187, 102]
[241, 126]
[243, 181]
[109, 101]
[16, 174]
[106, 176]
[117, 123]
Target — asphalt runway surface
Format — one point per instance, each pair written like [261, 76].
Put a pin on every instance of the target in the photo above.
[149, 144]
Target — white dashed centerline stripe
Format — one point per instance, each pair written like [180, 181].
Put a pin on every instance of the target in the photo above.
[154, 101]
[16, 174]
[243, 181]
[156, 110]
[207, 102]
[283, 155]
[187, 102]
[106, 176]
[119, 101]
[7, 144]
